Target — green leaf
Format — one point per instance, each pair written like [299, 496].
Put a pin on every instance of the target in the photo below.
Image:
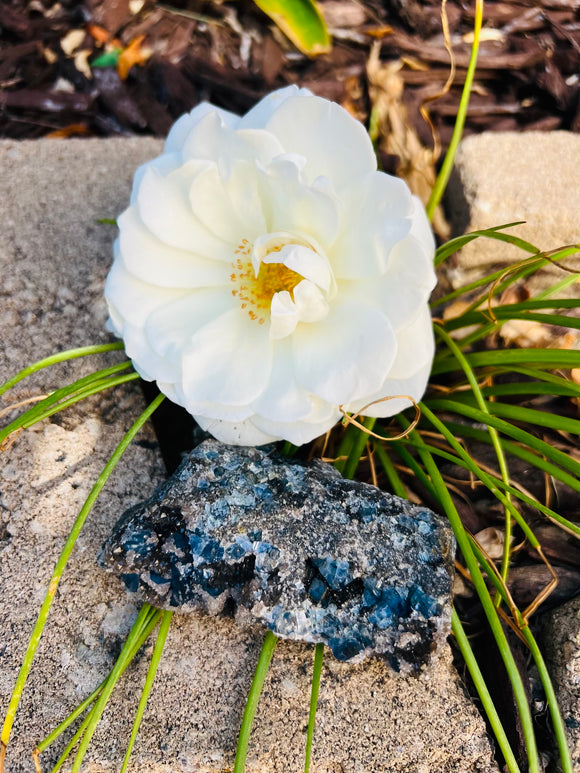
[301, 21]
[511, 358]
[453, 245]
[108, 59]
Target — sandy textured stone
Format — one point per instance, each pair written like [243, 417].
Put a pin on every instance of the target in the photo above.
[561, 639]
[506, 177]
[53, 260]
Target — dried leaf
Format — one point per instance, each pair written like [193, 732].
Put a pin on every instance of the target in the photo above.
[132, 55]
[72, 40]
[81, 60]
[491, 540]
[100, 34]
[397, 137]
[72, 130]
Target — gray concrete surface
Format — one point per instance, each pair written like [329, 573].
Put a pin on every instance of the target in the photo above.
[561, 640]
[506, 177]
[53, 260]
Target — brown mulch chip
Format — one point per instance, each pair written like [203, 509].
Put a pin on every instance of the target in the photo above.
[58, 71]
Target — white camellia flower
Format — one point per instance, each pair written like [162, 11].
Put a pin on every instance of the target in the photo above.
[266, 273]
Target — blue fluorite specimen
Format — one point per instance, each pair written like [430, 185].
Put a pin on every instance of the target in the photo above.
[312, 556]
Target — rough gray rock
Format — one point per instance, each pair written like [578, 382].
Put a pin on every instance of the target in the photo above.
[505, 177]
[561, 640]
[309, 554]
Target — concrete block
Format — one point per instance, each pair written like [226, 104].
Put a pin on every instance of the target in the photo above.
[53, 260]
[506, 177]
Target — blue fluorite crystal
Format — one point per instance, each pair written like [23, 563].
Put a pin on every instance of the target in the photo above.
[313, 556]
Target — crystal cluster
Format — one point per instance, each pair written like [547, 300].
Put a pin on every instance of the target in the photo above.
[312, 556]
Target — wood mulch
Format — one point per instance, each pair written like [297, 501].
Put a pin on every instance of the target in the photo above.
[52, 82]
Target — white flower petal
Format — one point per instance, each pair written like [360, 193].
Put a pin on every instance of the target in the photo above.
[164, 206]
[376, 214]
[347, 354]
[149, 365]
[164, 165]
[243, 433]
[414, 386]
[230, 206]
[309, 264]
[258, 116]
[228, 360]
[133, 299]
[283, 315]
[333, 143]
[283, 396]
[405, 286]
[296, 432]
[416, 345]
[150, 260]
[171, 327]
[295, 206]
[310, 303]
[183, 126]
[210, 139]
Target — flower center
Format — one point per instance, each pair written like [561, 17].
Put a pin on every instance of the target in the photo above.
[255, 292]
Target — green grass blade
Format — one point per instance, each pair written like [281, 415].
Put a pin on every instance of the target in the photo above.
[540, 446]
[537, 460]
[268, 647]
[486, 602]
[301, 21]
[100, 386]
[511, 274]
[358, 446]
[153, 666]
[46, 362]
[120, 665]
[452, 246]
[483, 692]
[566, 763]
[535, 417]
[395, 482]
[531, 389]
[61, 564]
[551, 359]
[495, 441]
[455, 430]
[142, 635]
[447, 166]
[316, 672]
[138, 630]
[38, 411]
[557, 287]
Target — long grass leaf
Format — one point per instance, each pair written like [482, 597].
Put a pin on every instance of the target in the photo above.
[509, 358]
[46, 362]
[61, 564]
[153, 666]
[486, 602]
[540, 446]
[316, 672]
[270, 641]
[452, 246]
[301, 21]
[483, 692]
[447, 165]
